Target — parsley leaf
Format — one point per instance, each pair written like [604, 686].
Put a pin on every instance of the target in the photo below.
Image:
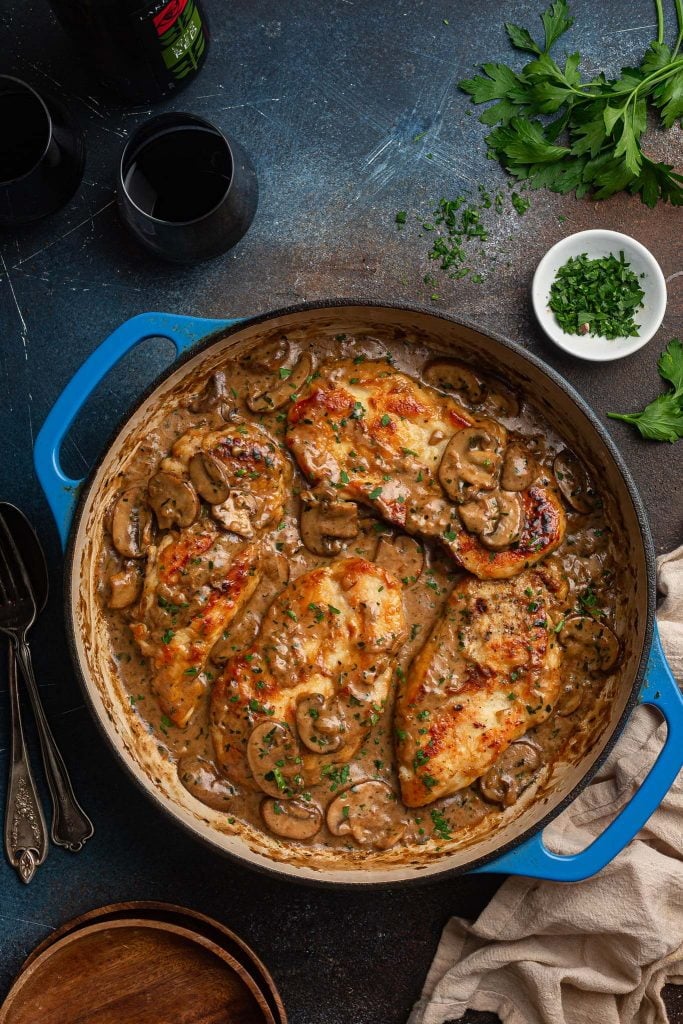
[593, 145]
[662, 419]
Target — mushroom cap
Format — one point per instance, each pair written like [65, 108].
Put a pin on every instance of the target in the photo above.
[472, 458]
[173, 499]
[449, 375]
[370, 813]
[574, 483]
[269, 356]
[497, 518]
[520, 469]
[131, 523]
[216, 397]
[200, 778]
[590, 642]
[210, 477]
[267, 393]
[320, 723]
[512, 772]
[292, 819]
[125, 586]
[325, 524]
[273, 756]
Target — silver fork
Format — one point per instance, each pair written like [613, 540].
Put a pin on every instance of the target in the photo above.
[71, 826]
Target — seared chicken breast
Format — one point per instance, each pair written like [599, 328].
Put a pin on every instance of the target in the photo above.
[315, 679]
[375, 436]
[489, 671]
[197, 582]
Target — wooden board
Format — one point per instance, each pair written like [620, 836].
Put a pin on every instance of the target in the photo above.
[137, 971]
[185, 917]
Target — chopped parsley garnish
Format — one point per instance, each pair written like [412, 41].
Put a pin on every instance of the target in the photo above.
[597, 297]
[168, 636]
[441, 826]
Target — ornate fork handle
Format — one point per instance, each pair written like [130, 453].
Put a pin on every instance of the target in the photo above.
[71, 826]
[25, 828]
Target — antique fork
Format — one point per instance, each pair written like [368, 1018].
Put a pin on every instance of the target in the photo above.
[71, 826]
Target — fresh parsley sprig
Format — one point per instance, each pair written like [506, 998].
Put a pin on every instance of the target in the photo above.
[589, 140]
[662, 419]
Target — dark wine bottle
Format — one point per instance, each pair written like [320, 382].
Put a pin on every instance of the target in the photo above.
[141, 51]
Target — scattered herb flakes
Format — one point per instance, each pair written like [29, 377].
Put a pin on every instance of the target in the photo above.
[165, 723]
[441, 826]
[457, 232]
[597, 297]
[662, 419]
[589, 138]
[520, 203]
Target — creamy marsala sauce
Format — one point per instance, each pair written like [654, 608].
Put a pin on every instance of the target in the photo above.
[327, 802]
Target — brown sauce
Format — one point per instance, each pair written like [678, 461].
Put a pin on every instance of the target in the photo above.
[588, 558]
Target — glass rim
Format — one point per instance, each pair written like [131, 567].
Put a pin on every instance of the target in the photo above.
[5, 182]
[189, 121]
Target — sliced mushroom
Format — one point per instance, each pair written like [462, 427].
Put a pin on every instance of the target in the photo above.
[520, 469]
[199, 777]
[173, 499]
[273, 756]
[125, 586]
[267, 393]
[502, 402]
[511, 774]
[452, 376]
[326, 523]
[497, 518]
[472, 458]
[210, 477]
[320, 723]
[131, 523]
[401, 555]
[293, 819]
[236, 513]
[268, 356]
[370, 813]
[495, 429]
[574, 483]
[589, 643]
[216, 397]
[570, 698]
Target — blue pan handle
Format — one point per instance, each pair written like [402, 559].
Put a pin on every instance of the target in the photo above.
[60, 490]
[534, 860]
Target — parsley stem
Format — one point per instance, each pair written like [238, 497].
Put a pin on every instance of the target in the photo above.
[660, 21]
[679, 17]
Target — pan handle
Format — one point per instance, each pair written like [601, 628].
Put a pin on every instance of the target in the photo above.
[533, 859]
[60, 490]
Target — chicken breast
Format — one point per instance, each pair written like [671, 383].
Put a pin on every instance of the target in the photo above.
[489, 671]
[252, 470]
[320, 667]
[375, 436]
[197, 582]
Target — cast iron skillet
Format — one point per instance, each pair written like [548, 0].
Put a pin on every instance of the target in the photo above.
[515, 848]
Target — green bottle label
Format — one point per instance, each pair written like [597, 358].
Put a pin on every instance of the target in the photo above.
[180, 33]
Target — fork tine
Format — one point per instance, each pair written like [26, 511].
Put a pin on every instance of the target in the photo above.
[17, 578]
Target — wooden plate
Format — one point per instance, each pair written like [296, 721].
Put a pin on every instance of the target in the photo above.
[138, 971]
[187, 918]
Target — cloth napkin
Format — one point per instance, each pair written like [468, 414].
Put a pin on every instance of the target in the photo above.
[593, 952]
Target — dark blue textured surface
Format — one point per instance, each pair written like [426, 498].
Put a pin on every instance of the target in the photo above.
[328, 99]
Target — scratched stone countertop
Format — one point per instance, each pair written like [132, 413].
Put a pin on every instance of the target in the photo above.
[351, 112]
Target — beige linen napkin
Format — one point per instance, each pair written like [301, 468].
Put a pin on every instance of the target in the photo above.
[593, 952]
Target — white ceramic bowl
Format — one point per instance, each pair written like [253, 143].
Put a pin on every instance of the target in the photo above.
[596, 244]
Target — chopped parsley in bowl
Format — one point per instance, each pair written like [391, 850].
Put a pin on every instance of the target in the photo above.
[599, 295]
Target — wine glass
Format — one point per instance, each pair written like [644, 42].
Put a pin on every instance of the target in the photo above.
[187, 191]
[42, 154]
